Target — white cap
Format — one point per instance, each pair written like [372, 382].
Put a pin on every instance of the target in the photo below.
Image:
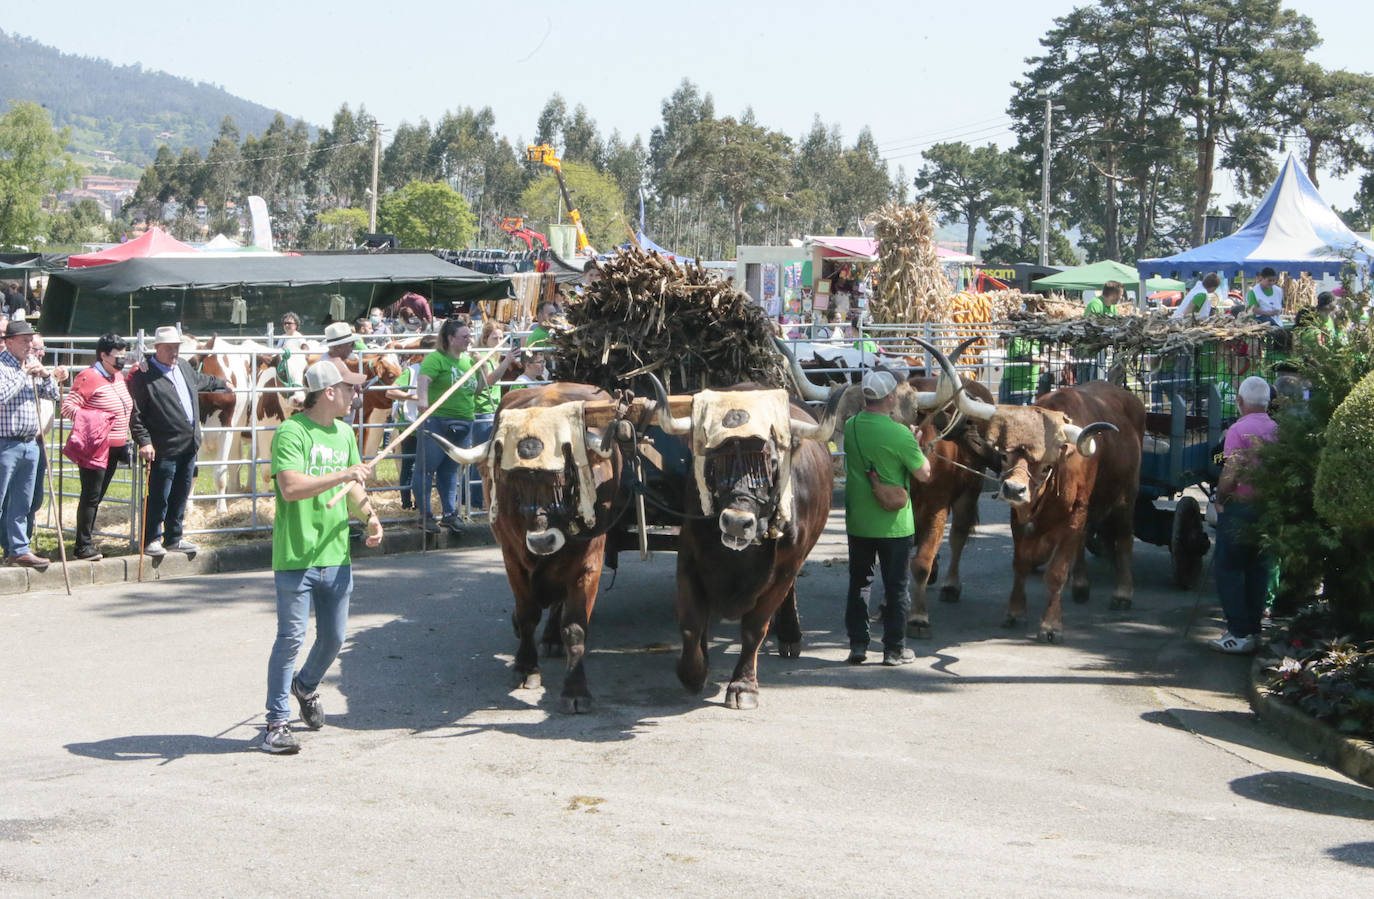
[166, 334]
[326, 374]
[336, 333]
[878, 384]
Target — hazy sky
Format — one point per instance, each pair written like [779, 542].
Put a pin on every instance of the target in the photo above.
[915, 72]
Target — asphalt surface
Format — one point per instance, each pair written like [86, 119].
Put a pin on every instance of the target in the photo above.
[1125, 762]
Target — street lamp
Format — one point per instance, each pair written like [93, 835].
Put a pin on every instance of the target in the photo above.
[1045, 182]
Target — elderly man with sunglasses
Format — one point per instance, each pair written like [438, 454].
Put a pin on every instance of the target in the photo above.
[23, 378]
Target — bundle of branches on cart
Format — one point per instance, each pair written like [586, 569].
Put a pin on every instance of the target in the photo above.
[912, 285]
[1154, 333]
[647, 314]
[1054, 306]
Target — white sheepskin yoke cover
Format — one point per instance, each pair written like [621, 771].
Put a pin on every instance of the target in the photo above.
[718, 416]
[533, 439]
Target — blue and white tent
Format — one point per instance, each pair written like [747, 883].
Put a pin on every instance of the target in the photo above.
[1294, 230]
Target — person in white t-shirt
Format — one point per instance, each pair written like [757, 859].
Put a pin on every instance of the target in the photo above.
[1265, 297]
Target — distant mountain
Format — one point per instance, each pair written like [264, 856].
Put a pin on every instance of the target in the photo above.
[119, 115]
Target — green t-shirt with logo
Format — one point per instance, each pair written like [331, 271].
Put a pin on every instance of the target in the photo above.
[891, 448]
[442, 370]
[488, 398]
[304, 533]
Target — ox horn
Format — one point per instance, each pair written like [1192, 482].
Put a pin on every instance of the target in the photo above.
[1083, 437]
[809, 389]
[806, 430]
[973, 408]
[461, 455]
[665, 412]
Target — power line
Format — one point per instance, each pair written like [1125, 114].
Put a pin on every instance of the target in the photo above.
[907, 141]
[306, 152]
[918, 149]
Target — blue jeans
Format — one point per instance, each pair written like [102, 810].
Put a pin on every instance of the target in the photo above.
[893, 555]
[327, 589]
[1243, 571]
[432, 465]
[482, 429]
[169, 486]
[18, 470]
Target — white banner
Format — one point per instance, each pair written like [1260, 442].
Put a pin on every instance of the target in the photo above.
[262, 226]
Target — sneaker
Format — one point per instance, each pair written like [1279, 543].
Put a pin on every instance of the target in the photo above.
[89, 554]
[184, 546]
[154, 549]
[857, 655]
[279, 740]
[1233, 645]
[312, 710]
[429, 526]
[894, 657]
[454, 526]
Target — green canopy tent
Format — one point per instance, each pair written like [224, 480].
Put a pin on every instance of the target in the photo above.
[210, 294]
[1094, 275]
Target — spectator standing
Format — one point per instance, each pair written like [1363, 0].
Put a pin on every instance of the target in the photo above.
[290, 337]
[1104, 304]
[1205, 303]
[312, 453]
[406, 409]
[165, 423]
[1243, 570]
[1265, 297]
[543, 316]
[413, 304]
[46, 409]
[874, 442]
[16, 307]
[488, 398]
[534, 371]
[99, 407]
[22, 380]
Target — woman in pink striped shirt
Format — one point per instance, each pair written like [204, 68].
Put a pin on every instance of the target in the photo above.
[99, 404]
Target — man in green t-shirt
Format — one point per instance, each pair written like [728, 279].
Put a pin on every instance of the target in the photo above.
[312, 453]
[539, 336]
[1104, 304]
[874, 442]
[1265, 297]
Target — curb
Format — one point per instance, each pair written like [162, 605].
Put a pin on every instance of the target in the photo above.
[252, 556]
[1352, 757]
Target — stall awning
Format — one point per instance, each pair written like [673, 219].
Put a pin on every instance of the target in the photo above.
[861, 248]
[152, 243]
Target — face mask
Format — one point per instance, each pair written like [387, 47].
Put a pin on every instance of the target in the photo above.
[118, 363]
[376, 319]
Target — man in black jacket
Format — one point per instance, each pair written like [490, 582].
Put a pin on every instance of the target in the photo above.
[166, 424]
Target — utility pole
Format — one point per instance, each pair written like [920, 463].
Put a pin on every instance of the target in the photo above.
[376, 161]
[1045, 186]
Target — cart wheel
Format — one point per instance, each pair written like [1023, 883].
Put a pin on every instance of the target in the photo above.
[1188, 543]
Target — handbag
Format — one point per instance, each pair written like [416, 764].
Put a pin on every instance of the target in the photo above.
[890, 497]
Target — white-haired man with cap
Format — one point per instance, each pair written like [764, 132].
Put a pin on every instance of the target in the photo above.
[314, 455]
[873, 442]
[165, 423]
[1243, 570]
[23, 379]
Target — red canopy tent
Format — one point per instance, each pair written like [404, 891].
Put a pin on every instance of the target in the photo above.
[153, 242]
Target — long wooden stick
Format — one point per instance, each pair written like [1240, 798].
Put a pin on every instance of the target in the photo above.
[143, 519]
[52, 492]
[420, 419]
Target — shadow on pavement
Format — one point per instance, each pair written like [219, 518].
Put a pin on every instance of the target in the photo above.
[1358, 854]
[1306, 793]
[167, 747]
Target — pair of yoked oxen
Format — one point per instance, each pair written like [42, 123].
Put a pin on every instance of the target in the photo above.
[760, 500]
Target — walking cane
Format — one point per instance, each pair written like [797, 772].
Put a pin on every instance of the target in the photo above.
[143, 518]
[61, 541]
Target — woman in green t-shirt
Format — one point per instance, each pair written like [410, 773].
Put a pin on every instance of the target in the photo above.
[453, 420]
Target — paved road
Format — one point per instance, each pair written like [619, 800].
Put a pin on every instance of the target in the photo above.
[1124, 762]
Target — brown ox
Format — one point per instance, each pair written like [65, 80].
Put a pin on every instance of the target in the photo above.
[749, 533]
[553, 553]
[238, 364]
[1069, 463]
[958, 458]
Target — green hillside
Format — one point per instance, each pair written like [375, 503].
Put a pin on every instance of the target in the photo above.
[122, 109]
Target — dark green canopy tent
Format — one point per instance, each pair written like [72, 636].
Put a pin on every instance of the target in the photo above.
[204, 293]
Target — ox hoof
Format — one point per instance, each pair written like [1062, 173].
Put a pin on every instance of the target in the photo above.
[918, 630]
[741, 699]
[551, 650]
[1049, 635]
[1120, 603]
[528, 680]
[789, 649]
[1080, 595]
[951, 593]
[576, 705]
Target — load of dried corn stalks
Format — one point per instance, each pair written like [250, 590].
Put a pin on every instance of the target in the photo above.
[912, 285]
[645, 313]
